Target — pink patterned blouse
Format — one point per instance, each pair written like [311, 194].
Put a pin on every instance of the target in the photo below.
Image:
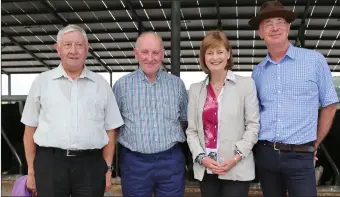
[210, 120]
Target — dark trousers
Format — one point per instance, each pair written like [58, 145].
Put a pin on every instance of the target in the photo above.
[211, 185]
[57, 175]
[279, 171]
[160, 173]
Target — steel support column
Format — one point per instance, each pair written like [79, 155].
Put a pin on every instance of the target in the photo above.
[111, 79]
[175, 37]
[9, 85]
[219, 21]
[300, 39]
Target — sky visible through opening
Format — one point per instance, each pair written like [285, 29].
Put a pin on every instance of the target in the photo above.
[21, 83]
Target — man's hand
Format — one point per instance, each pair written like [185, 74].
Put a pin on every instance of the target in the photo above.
[30, 184]
[108, 185]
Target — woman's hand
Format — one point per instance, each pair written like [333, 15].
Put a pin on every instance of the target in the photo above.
[227, 165]
[212, 165]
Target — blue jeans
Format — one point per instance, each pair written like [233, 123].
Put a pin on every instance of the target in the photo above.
[160, 173]
[279, 171]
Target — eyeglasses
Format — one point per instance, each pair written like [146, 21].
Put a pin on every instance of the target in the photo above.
[277, 22]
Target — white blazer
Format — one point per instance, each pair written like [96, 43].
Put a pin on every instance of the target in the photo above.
[239, 125]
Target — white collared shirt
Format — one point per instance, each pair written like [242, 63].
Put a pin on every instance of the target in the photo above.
[71, 114]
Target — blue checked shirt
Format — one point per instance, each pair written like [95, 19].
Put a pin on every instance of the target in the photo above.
[290, 92]
[151, 112]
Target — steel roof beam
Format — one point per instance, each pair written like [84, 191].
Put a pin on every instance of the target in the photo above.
[25, 49]
[135, 16]
[153, 5]
[166, 29]
[123, 40]
[223, 16]
[4, 72]
[64, 23]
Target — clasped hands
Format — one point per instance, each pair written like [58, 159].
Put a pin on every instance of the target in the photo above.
[219, 168]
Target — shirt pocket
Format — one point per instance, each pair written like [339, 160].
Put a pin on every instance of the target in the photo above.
[300, 89]
[169, 107]
[94, 109]
[52, 109]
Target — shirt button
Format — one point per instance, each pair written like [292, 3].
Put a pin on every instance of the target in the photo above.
[279, 120]
[153, 112]
[278, 78]
[279, 105]
[279, 91]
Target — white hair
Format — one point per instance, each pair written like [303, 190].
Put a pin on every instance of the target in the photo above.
[70, 28]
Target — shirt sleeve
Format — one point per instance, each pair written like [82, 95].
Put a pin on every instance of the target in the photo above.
[31, 112]
[183, 102]
[116, 91]
[113, 118]
[326, 87]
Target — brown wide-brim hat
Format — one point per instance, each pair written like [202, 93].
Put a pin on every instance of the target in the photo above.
[271, 9]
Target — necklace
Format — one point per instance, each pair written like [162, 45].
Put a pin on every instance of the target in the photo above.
[217, 88]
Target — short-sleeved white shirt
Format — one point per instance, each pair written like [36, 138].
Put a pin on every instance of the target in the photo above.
[71, 114]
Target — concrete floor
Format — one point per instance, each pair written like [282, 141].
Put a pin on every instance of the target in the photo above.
[191, 188]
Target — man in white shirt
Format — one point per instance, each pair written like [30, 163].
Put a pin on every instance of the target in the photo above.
[70, 116]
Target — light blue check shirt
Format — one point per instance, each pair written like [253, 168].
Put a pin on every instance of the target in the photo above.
[151, 112]
[290, 92]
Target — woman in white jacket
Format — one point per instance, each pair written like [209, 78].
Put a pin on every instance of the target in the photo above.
[223, 122]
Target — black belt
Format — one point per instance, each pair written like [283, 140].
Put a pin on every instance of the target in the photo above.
[73, 153]
[307, 147]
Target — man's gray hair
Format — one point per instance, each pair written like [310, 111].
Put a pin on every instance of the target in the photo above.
[146, 33]
[70, 28]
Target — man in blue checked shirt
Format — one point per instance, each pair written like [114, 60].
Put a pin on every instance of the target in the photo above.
[153, 104]
[292, 82]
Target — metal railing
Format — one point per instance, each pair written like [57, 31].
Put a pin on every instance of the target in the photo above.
[14, 152]
[333, 165]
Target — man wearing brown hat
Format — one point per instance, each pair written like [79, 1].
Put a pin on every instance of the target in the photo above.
[291, 82]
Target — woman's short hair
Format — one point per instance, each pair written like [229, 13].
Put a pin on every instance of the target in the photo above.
[215, 39]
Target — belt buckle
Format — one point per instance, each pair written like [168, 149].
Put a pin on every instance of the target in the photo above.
[68, 153]
[275, 146]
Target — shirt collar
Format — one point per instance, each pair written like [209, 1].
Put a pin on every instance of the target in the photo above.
[60, 72]
[144, 77]
[230, 76]
[291, 52]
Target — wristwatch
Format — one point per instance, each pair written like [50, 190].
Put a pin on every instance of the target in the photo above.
[200, 158]
[111, 168]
